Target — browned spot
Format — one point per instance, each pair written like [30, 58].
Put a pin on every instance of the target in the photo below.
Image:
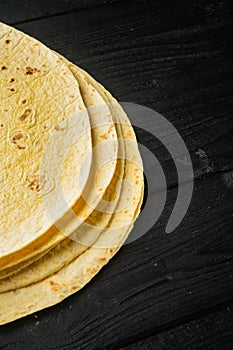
[72, 96]
[74, 288]
[110, 129]
[136, 182]
[12, 80]
[7, 41]
[102, 259]
[126, 211]
[104, 136]
[52, 283]
[59, 128]
[34, 183]
[54, 286]
[1, 125]
[24, 101]
[26, 114]
[17, 137]
[17, 68]
[12, 89]
[30, 70]
[15, 140]
[111, 250]
[92, 271]
[4, 67]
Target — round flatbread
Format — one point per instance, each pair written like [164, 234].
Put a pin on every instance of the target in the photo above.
[40, 100]
[77, 273]
[88, 232]
[103, 130]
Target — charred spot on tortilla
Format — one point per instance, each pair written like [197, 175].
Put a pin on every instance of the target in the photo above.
[17, 137]
[34, 183]
[19, 140]
[30, 70]
[26, 114]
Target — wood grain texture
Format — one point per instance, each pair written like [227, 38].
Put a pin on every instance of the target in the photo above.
[209, 333]
[17, 11]
[162, 291]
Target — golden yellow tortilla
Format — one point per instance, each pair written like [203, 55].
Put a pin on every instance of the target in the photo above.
[39, 98]
[87, 233]
[78, 272]
[37, 244]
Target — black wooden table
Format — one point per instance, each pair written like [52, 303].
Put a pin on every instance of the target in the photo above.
[163, 291]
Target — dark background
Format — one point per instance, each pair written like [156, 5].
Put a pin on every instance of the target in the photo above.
[164, 291]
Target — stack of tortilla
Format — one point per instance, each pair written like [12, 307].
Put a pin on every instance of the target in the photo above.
[71, 176]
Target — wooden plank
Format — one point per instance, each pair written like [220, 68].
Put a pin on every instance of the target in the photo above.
[173, 58]
[209, 333]
[157, 280]
[15, 11]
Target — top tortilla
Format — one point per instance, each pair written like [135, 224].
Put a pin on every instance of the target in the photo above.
[103, 130]
[87, 233]
[39, 99]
